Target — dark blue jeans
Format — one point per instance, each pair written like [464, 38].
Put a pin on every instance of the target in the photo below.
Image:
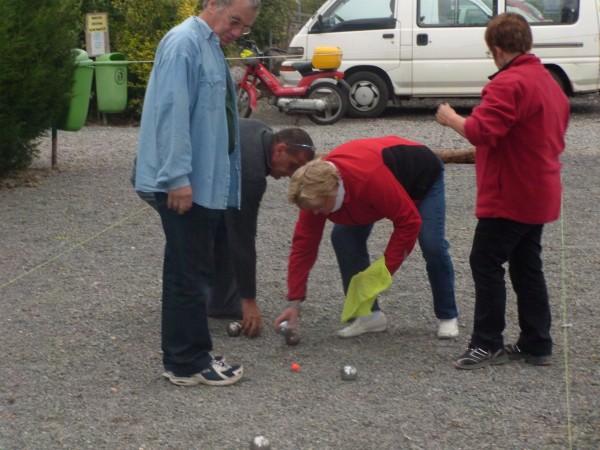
[497, 241]
[188, 270]
[350, 245]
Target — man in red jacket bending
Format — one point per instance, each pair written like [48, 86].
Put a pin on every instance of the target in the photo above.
[518, 131]
[356, 185]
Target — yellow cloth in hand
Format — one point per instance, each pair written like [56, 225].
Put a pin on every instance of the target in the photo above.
[363, 290]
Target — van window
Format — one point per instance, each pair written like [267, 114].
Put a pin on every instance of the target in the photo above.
[454, 13]
[546, 12]
[468, 13]
[356, 15]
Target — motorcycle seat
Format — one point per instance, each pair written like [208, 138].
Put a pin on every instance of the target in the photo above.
[305, 68]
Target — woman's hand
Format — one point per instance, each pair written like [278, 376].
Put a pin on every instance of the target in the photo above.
[291, 314]
[446, 116]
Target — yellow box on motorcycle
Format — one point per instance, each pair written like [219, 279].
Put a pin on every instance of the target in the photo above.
[327, 58]
[248, 57]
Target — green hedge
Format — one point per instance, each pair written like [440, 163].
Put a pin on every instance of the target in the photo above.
[36, 73]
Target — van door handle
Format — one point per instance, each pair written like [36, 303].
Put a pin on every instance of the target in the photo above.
[422, 39]
[388, 35]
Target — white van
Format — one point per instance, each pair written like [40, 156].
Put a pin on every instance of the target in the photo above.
[402, 49]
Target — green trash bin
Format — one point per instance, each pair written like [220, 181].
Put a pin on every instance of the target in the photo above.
[76, 115]
[111, 82]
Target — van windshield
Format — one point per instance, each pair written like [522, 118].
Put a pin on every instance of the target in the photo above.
[354, 15]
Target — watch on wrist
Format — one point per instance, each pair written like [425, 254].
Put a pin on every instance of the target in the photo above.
[296, 304]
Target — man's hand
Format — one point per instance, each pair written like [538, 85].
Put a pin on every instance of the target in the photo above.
[251, 320]
[290, 314]
[180, 199]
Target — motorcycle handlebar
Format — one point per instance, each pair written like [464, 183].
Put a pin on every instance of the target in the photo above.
[250, 44]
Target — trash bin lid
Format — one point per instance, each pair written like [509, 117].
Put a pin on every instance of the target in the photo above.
[82, 58]
[109, 57]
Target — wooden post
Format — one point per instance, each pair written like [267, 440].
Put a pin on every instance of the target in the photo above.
[54, 149]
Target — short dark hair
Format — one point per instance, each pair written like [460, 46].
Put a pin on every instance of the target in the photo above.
[254, 4]
[510, 32]
[297, 140]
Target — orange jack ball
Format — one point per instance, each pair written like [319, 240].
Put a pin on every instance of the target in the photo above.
[295, 367]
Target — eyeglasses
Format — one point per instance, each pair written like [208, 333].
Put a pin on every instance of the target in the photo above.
[237, 23]
[308, 146]
[488, 54]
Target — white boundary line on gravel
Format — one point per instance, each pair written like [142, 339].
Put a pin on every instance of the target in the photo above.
[79, 244]
[566, 325]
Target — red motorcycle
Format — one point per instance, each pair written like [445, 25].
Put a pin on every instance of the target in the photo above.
[320, 94]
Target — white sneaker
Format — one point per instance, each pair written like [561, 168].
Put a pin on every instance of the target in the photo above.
[447, 329]
[369, 324]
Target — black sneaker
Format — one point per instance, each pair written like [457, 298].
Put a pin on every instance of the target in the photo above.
[218, 373]
[474, 358]
[515, 353]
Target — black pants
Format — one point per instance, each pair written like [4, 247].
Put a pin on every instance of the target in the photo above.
[496, 242]
[225, 299]
[188, 277]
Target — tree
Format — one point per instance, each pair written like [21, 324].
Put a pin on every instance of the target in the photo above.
[136, 28]
[273, 21]
[310, 6]
[36, 73]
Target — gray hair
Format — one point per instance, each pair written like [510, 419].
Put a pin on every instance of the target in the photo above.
[254, 4]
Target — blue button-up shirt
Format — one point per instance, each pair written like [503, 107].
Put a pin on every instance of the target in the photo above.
[183, 137]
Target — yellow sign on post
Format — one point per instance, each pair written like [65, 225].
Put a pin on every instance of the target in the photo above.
[97, 40]
[97, 22]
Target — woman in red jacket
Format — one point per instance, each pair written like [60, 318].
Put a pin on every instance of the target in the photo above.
[518, 131]
[356, 185]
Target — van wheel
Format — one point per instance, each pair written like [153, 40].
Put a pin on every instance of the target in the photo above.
[559, 80]
[368, 94]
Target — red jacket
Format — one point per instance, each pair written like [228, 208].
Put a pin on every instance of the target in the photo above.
[372, 193]
[518, 131]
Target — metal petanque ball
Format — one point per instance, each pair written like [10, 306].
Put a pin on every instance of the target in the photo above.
[260, 442]
[292, 339]
[348, 373]
[285, 329]
[234, 329]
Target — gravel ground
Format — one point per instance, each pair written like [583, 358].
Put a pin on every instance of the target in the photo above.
[80, 271]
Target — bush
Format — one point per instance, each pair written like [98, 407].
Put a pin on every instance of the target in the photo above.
[272, 22]
[36, 73]
[138, 27]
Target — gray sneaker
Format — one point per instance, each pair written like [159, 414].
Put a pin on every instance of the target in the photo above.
[218, 373]
[515, 353]
[475, 358]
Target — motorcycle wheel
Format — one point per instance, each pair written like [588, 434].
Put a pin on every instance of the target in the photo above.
[337, 102]
[243, 103]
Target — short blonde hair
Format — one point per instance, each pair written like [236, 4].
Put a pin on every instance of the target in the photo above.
[313, 182]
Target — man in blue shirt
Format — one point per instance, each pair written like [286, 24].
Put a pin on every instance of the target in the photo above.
[189, 158]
